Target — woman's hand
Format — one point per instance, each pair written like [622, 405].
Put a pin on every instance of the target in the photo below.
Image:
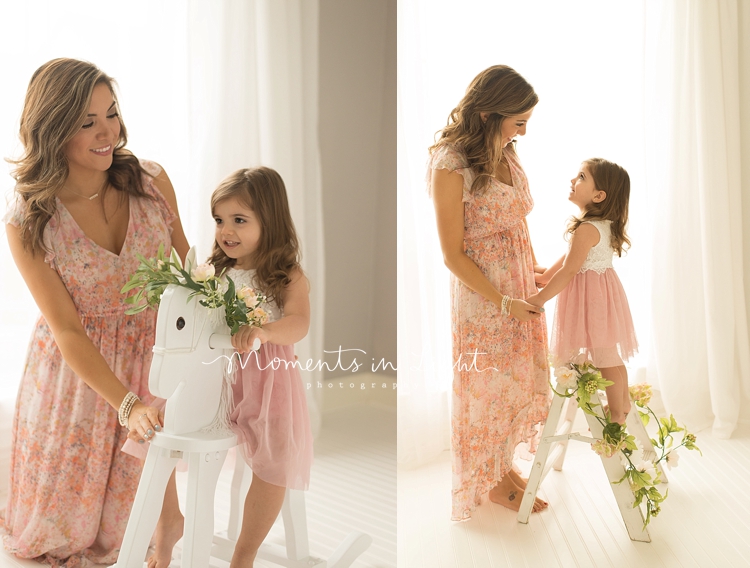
[143, 422]
[541, 279]
[243, 340]
[524, 311]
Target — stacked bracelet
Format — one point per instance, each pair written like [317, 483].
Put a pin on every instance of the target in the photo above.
[125, 407]
[505, 306]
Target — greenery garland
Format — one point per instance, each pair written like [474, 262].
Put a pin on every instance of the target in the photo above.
[582, 380]
[241, 307]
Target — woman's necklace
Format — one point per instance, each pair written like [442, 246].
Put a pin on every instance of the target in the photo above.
[81, 195]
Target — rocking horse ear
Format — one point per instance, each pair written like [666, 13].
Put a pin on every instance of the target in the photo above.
[190, 259]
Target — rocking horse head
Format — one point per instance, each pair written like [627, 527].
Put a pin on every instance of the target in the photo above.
[185, 369]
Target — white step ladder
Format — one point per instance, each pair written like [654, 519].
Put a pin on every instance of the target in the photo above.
[554, 444]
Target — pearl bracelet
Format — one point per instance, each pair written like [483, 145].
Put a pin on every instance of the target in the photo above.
[125, 407]
[505, 306]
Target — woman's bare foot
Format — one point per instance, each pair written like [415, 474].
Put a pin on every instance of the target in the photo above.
[168, 532]
[521, 483]
[508, 494]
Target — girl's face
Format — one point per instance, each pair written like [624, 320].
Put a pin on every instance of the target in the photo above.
[91, 148]
[583, 192]
[237, 231]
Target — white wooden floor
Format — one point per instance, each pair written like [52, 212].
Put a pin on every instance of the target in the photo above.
[352, 487]
[704, 523]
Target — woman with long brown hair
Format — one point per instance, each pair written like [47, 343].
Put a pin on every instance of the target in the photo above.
[501, 373]
[84, 208]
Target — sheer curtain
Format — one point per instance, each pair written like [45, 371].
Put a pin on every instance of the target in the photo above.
[698, 85]
[585, 60]
[205, 88]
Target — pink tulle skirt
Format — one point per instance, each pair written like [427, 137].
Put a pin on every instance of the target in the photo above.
[270, 417]
[592, 319]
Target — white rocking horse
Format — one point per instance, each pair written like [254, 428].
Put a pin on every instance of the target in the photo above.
[188, 371]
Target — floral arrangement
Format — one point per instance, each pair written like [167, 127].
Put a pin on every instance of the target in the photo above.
[584, 379]
[241, 307]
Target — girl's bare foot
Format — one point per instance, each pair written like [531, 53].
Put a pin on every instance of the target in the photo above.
[168, 532]
[508, 494]
[241, 559]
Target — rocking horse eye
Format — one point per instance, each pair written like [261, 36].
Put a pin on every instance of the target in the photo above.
[180, 322]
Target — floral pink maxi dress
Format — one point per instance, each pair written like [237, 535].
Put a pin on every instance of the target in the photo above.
[71, 488]
[500, 394]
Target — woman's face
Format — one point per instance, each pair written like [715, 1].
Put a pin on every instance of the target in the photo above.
[513, 126]
[91, 148]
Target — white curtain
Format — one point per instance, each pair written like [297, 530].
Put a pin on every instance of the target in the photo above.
[253, 99]
[424, 341]
[205, 88]
[698, 79]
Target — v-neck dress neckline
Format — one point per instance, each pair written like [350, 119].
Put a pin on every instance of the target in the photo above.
[62, 207]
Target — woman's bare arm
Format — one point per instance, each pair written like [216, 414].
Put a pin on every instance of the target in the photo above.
[447, 195]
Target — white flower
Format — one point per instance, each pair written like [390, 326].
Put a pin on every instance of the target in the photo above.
[566, 378]
[203, 272]
[648, 468]
[672, 459]
[580, 359]
[244, 291]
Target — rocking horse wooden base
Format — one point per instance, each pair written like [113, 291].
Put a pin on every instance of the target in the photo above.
[551, 453]
[205, 454]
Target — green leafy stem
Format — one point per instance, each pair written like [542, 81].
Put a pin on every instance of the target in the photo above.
[616, 438]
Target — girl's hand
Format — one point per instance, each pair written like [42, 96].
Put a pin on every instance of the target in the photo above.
[243, 340]
[143, 422]
[535, 300]
[524, 311]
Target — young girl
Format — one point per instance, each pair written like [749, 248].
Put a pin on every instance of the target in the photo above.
[592, 315]
[257, 243]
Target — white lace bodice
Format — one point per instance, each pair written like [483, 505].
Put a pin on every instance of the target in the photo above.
[599, 258]
[247, 278]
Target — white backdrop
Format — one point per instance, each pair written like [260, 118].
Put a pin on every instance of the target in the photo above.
[205, 88]
[585, 61]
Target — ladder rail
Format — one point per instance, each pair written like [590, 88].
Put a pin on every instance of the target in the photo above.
[547, 457]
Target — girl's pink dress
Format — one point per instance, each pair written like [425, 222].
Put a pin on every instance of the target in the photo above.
[501, 394]
[71, 488]
[270, 409]
[592, 316]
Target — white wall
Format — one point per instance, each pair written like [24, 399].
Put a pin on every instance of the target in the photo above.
[358, 162]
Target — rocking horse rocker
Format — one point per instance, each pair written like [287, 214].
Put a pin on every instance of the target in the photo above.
[193, 348]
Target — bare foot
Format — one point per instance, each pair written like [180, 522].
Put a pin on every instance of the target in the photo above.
[167, 535]
[521, 483]
[508, 494]
[241, 559]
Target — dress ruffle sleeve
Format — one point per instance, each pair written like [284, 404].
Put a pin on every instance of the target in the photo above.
[153, 169]
[14, 215]
[448, 158]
